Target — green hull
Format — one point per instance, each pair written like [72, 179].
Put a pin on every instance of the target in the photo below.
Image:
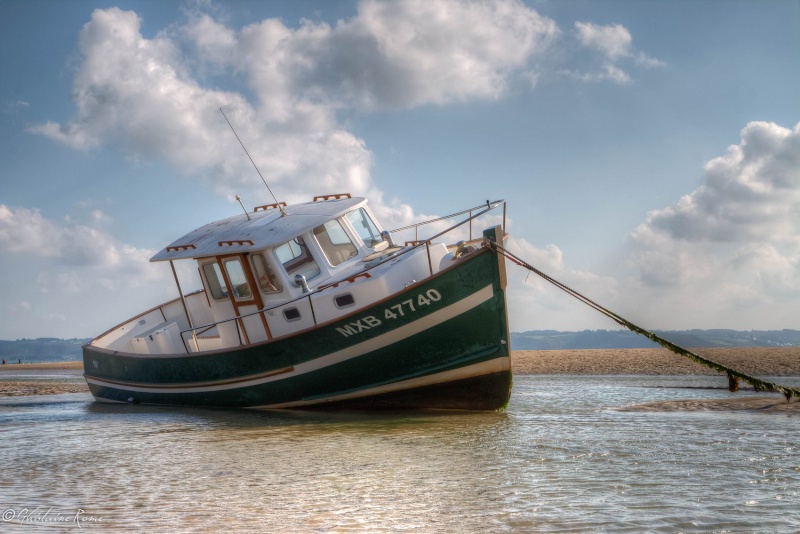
[442, 343]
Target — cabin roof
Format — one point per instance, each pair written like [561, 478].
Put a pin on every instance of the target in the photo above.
[265, 228]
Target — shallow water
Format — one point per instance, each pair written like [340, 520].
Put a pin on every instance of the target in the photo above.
[562, 458]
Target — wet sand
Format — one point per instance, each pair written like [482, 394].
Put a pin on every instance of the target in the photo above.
[53, 378]
[66, 377]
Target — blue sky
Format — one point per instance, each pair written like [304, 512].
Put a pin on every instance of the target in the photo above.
[649, 150]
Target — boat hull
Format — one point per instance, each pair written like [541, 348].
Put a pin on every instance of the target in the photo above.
[441, 343]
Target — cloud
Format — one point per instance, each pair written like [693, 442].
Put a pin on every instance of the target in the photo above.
[100, 217]
[609, 72]
[734, 242]
[536, 304]
[614, 44]
[147, 96]
[26, 232]
[612, 41]
[391, 54]
[404, 54]
[750, 194]
[54, 268]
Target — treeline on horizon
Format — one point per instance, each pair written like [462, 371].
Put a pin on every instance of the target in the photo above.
[49, 349]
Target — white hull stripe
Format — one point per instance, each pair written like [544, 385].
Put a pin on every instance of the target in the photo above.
[384, 340]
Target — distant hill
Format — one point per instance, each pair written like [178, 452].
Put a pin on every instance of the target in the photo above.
[625, 339]
[43, 349]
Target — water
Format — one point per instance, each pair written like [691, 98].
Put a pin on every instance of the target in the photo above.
[562, 458]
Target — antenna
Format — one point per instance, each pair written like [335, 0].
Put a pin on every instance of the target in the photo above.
[237, 197]
[283, 212]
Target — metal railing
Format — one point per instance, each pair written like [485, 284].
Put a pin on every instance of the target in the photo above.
[486, 207]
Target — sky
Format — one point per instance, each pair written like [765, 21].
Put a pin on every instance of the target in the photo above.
[649, 150]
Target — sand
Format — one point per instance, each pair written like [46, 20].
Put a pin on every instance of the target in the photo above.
[51, 378]
[760, 362]
[778, 361]
[49, 366]
[24, 388]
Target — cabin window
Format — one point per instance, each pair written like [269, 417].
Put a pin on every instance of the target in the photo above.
[216, 284]
[296, 258]
[335, 242]
[364, 227]
[241, 289]
[266, 277]
[344, 301]
[292, 314]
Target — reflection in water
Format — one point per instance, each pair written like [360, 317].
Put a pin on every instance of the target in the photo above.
[562, 458]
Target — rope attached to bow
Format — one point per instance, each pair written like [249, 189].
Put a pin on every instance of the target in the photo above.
[733, 375]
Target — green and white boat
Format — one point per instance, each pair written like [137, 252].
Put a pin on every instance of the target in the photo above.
[312, 305]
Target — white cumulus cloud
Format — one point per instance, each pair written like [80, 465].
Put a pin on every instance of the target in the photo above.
[147, 95]
[752, 193]
[732, 246]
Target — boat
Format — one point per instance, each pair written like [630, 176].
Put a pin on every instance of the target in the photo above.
[313, 305]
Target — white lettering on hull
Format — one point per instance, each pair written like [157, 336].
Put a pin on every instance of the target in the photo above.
[407, 307]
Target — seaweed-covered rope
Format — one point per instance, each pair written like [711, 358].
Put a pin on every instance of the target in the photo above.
[733, 375]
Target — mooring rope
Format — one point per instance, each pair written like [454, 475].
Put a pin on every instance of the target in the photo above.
[733, 374]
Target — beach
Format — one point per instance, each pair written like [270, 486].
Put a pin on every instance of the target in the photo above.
[66, 377]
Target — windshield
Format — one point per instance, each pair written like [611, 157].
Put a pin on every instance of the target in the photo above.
[364, 227]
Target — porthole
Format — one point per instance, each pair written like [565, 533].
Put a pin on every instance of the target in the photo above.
[291, 314]
[344, 301]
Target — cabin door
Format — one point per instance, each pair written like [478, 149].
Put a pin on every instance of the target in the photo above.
[245, 297]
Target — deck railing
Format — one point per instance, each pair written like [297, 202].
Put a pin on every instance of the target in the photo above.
[485, 207]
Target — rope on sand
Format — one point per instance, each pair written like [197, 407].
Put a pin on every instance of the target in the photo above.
[733, 375]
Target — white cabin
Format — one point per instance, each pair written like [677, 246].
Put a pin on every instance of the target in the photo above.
[274, 272]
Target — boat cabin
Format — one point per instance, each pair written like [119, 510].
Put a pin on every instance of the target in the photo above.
[276, 271]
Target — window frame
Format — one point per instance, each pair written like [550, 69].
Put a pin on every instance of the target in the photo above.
[272, 278]
[218, 283]
[338, 252]
[365, 216]
[293, 265]
[235, 286]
